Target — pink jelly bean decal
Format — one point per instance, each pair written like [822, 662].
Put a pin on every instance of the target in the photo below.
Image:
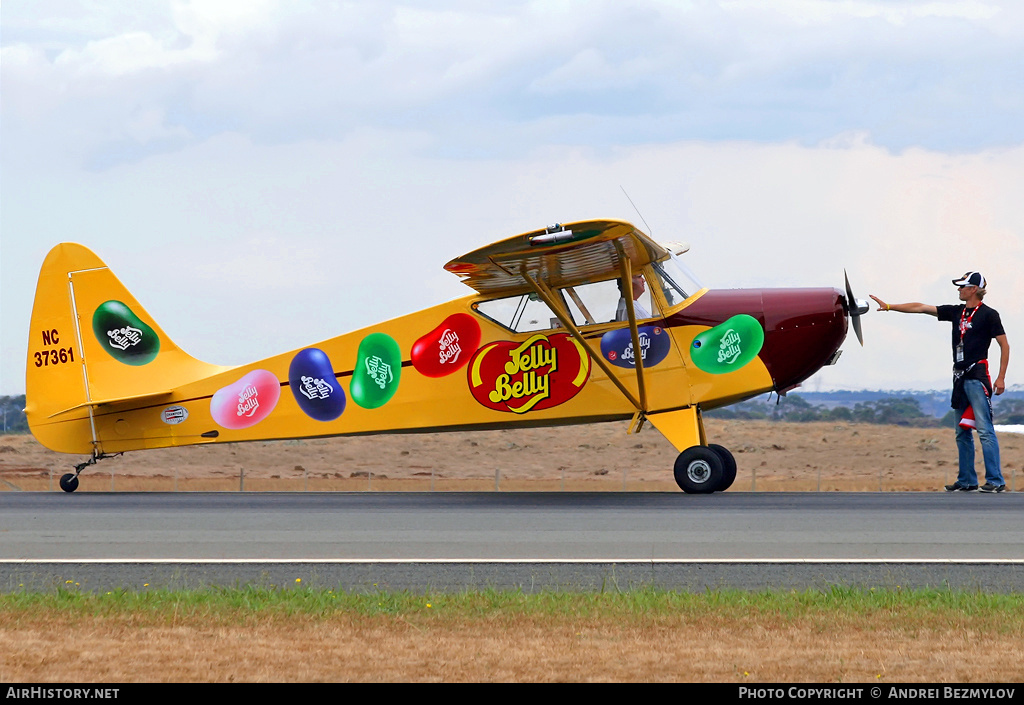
[246, 402]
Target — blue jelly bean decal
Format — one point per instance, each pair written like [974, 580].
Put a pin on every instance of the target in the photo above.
[312, 381]
[617, 346]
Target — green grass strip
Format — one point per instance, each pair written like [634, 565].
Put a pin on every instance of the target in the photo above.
[649, 603]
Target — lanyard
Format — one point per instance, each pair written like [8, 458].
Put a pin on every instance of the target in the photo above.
[963, 326]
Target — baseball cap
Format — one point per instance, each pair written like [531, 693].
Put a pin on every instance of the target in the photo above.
[970, 279]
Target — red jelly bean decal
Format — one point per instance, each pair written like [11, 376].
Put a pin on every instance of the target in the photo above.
[246, 402]
[448, 347]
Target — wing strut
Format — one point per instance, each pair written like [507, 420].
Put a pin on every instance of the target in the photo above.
[579, 303]
[627, 287]
[545, 294]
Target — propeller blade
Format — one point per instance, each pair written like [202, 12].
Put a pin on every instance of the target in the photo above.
[855, 320]
[853, 308]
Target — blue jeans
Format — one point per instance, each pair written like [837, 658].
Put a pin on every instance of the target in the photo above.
[986, 434]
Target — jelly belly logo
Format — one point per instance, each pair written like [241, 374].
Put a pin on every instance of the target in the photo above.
[617, 346]
[729, 345]
[248, 401]
[448, 347]
[544, 371]
[729, 349]
[315, 389]
[379, 371]
[124, 335]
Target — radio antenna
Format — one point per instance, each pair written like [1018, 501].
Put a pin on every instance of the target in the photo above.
[649, 231]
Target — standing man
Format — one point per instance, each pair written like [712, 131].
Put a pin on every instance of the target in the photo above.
[974, 327]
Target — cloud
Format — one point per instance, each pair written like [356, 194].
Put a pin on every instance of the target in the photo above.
[785, 141]
[813, 12]
[510, 77]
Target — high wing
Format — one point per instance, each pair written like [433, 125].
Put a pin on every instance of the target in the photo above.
[559, 255]
[563, 256]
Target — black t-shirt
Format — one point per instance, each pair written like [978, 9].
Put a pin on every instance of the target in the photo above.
[981, 325]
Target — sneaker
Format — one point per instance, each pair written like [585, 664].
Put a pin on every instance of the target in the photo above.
[957, 487]
[989, 487]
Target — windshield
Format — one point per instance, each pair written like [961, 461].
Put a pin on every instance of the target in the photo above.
[596, 303]
[678, 282]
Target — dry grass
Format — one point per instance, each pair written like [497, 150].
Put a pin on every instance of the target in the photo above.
[439, 642]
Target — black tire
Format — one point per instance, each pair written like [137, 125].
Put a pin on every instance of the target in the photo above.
[698, 470]
[69, 482]
[728, 466]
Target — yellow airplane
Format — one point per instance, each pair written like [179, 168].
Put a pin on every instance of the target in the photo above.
[576, 323]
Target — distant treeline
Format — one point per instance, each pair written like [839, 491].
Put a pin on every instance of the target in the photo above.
[899, 411]
[13, 414]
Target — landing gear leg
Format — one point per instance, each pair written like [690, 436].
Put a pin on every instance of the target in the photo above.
[69, 481]
[701, 467]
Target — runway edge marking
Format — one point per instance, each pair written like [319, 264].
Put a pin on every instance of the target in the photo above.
[581, 561]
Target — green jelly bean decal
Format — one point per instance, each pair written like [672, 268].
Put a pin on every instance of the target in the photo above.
[378, 368]
[729, 345]
[122, 334]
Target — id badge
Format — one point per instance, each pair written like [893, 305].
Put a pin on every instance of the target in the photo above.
[960, 352]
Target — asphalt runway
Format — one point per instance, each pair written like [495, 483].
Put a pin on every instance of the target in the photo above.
[531, 541]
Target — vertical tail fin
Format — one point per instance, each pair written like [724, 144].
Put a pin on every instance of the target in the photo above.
[92, 343]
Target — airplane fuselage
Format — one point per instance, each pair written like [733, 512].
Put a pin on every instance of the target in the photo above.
[450, 367]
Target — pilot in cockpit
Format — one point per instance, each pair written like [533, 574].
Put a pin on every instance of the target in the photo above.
[639, 287]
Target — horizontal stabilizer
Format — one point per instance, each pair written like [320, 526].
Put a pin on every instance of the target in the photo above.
[154, 396]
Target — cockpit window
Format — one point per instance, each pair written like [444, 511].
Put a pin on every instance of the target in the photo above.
[677, 282]
[587, 304]
[523, 313]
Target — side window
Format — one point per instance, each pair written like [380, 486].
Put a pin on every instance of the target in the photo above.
[595, 303]
[522, 314]
[603, 302]
[588, 304]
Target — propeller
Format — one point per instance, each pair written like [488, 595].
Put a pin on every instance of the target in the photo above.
[855, 308]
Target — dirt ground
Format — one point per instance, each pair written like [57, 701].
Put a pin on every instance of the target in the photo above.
[598, 457]
[876, 649]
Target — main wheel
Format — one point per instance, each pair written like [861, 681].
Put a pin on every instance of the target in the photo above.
[69, 482]
[728, 466]
[698, 470]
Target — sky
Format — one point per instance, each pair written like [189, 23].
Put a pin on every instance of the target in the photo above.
[265, 175]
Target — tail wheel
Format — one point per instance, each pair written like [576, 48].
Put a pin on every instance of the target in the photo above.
[699, 470]
[728, 466]
[69, 482]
